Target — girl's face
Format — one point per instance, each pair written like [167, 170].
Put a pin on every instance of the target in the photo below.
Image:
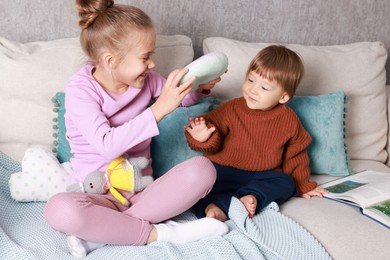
[137, 63]
[262, 94]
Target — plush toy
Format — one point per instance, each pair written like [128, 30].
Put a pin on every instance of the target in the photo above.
[122, 173]
[41, 177]
[206, 68]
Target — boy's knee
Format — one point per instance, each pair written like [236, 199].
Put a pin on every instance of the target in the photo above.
[286, 183]
[289, 184]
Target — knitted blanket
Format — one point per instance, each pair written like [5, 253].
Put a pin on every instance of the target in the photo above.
[24, 234]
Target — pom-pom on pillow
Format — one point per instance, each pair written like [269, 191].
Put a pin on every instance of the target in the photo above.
[323, 117]
[61, 145]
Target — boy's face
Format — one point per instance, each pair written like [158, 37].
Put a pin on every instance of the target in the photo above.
[262, 94]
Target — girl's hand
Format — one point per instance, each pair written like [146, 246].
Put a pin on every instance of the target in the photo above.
[317, 192]
[208, 86]
[205, 88]
[199, 130]
[172, 94]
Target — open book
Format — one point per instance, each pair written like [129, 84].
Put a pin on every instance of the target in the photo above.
[369, 190]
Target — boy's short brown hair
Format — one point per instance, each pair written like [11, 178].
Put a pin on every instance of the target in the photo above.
[277, 62]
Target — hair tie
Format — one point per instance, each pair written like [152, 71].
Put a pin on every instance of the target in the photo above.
[110, 4]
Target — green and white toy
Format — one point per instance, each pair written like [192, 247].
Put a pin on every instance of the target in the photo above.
[206, 68]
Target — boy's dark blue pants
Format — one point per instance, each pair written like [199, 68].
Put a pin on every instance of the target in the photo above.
[266, 186]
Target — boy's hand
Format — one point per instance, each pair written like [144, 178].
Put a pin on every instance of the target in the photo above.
[199, 130]
[317, 192]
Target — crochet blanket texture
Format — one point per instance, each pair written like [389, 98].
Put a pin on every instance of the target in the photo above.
[24, 234]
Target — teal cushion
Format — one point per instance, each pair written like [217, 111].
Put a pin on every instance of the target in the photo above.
[61, 145]
[171, 147]
[323, 117]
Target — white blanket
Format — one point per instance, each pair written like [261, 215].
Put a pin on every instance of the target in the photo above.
[24, 234]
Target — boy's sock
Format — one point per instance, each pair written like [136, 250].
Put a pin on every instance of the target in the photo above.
[179, 233]
[80, 248]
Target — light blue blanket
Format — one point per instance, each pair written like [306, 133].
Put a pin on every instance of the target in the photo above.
[24, 234]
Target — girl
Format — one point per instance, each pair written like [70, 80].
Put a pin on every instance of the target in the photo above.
[108, 115]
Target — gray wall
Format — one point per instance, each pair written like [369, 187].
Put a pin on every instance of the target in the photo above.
[310, 22]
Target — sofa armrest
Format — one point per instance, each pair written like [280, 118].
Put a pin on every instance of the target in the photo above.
[388, 121]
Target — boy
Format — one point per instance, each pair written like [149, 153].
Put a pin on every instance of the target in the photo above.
[256, 142]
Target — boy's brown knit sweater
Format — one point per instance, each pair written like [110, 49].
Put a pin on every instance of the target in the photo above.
[255, 140]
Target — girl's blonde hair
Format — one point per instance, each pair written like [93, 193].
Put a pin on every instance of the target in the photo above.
[279, 63]
[106, 26]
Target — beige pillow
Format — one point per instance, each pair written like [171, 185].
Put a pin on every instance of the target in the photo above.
[31, 74]
[358, 69]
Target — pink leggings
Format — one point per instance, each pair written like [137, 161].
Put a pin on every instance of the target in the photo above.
[102, 219]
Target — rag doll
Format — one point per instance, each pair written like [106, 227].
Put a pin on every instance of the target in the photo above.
[122, 174]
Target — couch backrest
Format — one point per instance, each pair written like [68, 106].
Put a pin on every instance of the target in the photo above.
[301, 22]
[307, 22]
[358, 69]
[31, 74]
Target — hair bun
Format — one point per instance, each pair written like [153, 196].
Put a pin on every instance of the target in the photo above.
[90, 9]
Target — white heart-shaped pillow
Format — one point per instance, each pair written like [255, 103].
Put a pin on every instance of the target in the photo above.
[41, 177]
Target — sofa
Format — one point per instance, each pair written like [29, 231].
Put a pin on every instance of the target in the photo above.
[342, 99]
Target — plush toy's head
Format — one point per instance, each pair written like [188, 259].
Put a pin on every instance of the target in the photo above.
[95, 182]
[206, 68]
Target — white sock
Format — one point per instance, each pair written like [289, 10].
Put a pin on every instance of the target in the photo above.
[80, 248]
[179, 233]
